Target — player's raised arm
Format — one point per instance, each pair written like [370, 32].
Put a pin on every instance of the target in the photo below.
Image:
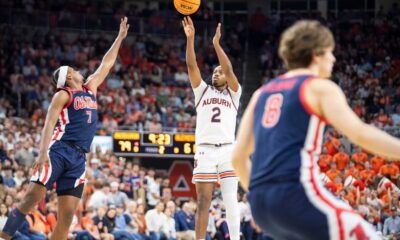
[109, 58]
[59, 100]
[191, 63]
[333, 106]
[244, 145]
[224, 61]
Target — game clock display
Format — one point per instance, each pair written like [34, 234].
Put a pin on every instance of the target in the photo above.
[143, 144]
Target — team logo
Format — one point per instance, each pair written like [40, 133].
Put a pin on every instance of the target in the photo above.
[82, 102]
[181, 176]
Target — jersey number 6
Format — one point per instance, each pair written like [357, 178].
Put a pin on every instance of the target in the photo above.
[272, 111]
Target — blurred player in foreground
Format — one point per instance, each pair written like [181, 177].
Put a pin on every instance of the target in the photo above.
[282, 130]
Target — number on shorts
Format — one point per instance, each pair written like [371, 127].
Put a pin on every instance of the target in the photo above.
[215, 117]
[89, 113]
[358, 232]
[272, 111]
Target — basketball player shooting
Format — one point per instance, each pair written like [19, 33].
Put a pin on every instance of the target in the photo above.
[216, 108]
[62, 155]
[282, 129]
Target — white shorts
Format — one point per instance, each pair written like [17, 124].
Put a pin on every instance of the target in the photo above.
[212, 164]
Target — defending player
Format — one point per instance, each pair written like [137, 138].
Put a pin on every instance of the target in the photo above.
[283, 128]
[62, 154]
[216, 108]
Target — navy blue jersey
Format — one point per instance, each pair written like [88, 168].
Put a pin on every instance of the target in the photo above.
[284, 130]
[78, 118]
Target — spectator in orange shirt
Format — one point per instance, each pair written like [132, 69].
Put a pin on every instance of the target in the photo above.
[350, 196]
[87, 224]
[397, 161]
[331, 187]
[389, 170]
[338, 184]
[324, 160]
[376, 163]
[51, 216]
[359, 184]
[341, 159]
[333, 172]
[386, 200]
[360, 158]
[37, 222]
[351, 170]
[368, 175]
[332, 145]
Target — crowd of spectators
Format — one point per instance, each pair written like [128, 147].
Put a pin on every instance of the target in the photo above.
[148, 89]
[122, 200]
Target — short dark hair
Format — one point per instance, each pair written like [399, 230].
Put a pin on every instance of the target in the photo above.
[303, 40]
[97, 184]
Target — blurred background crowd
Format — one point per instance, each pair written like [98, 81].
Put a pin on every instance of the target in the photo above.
[149, 90]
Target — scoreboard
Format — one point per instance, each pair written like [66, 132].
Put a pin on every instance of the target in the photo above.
[163, 145]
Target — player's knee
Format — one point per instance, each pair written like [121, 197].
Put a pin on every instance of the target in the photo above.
[203, 202]
[67, 216]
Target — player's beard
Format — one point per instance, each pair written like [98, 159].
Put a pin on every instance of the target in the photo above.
[216, 85]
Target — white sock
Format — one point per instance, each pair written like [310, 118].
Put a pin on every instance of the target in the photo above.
[229, 188]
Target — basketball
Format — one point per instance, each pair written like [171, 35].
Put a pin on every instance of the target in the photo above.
[187, 7]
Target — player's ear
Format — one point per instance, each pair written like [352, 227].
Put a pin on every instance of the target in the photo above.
[316, 59]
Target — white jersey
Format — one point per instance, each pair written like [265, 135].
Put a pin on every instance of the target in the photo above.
[216, 114]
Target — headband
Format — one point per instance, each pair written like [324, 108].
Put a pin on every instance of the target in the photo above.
[62, 76]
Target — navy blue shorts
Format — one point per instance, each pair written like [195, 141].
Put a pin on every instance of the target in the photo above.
[67, 168]
[293, 210]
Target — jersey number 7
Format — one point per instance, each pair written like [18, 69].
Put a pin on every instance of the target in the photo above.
[89, 113]
[272, 110]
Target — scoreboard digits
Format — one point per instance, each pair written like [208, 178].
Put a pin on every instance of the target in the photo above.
[125, 145]
[156, 138]
[142, 144]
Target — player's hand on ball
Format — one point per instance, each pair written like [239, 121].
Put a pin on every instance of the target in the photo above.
[188, 27]
[40, 162]
[217, 35]
[123, 28]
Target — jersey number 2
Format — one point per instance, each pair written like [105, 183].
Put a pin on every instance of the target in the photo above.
[215, 117]
[272, 111]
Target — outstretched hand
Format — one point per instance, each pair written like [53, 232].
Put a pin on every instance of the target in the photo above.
[123, 28]
[217, 35]
[188, 27]
[39, 163]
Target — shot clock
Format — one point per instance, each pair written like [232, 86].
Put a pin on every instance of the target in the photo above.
[163, 145]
